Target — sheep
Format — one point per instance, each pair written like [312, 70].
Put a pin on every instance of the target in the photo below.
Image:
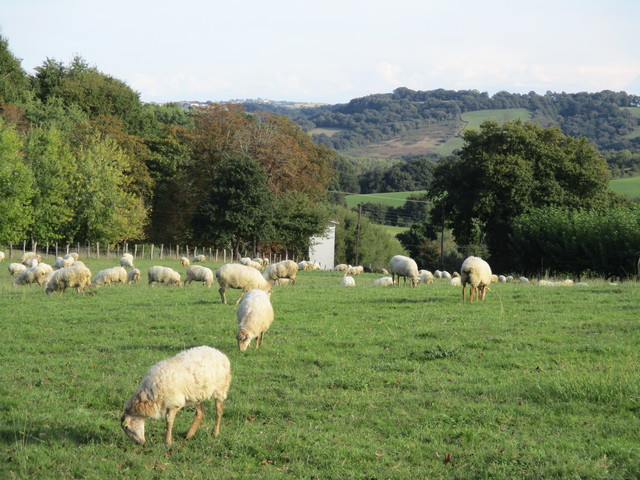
[495, 278]
[62, 262]
[184, 261]
[158, 274]
[341, 267]
[355, 271]
[524, 280]
[426, 277]
[75, 256]
[133, 276]
[78, 263]
[199, 259]
[27, 257]
[234, 275]
[477, 273]
[70, 277]
[384, 271]
[437, 274]
[109, 276]
[455, 282]
[348, 281]
[402, 266]
[502, 279]
[15, 268]
[255, 315]
[283, 269]
[1, 256]
[126, 261]
[189, 378]
[383, 282]
[199, 274]
[31, 275]
[282, 281]
[250, 263]
[446, 275]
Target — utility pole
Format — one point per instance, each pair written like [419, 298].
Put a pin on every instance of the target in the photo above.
[358, 234]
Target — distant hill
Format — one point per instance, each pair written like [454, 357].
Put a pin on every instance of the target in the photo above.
[407, 122]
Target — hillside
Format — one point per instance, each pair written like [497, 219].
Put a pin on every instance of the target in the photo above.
[408, 122]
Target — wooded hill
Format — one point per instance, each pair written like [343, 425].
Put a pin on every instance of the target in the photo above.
[409, 122]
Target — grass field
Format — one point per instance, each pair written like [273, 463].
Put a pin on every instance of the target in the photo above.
[629, 187]
[392, 199]
[394, 383]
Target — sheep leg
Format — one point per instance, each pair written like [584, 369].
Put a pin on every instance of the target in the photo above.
[171, 416]
[216, 430]
[241, 295]
[196, 421]
[222, 295]
[463, 289]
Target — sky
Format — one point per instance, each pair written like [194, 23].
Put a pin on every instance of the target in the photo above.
[332, 51]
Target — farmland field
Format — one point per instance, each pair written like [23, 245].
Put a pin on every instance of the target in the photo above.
[392, 199]
[629, 187]
[366, 382]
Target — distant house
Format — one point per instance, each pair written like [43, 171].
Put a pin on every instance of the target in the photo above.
[323, 249]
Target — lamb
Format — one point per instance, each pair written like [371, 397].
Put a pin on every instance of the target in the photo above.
[404, 267]
[189, 378]
[184, 261]
[255, 315]
[283, 269]
[477, 273]
[15, 268]
[234, 275]
[199, 274]
[77, 277]
[110, 275]
[199, 258]
[348, 281]
[158, 274]
[133, 276]
[126, 261]
[383, 282]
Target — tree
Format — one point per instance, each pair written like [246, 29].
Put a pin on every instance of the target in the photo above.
[505, 171]
[16, 188]
[238, 208]
[14, 82]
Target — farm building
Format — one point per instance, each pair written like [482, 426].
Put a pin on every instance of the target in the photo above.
[322, 249]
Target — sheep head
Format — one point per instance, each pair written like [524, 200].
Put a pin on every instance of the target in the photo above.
[244, 339]
[133, 426]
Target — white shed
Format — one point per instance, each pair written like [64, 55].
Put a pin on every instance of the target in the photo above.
[323, 249]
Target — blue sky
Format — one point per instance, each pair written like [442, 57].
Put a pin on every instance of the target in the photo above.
[333, 51]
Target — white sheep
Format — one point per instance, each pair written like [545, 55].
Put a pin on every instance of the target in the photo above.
[109, 276]
[199, 274]
[199, 259]
[446, 275]
[184, 261]
[426, 277]
[348, 281]
[255, 315]
[455, 281]
[524, 280]
[405, 267]
[234, 275]
[477, 273]
[126, 261]
[383, 282]
[77, 277]
[75, 256]
[15, 268]
[251, 263]
[341, 267]
[283, 269]
[354, 271]
[437, 274]
[133, 276]
[189, 378]
[159, 274]
[27, 257]
[35, 274]
[62, 262]
[502, 279]
[1, 256]
[282, 281]
[495, 278]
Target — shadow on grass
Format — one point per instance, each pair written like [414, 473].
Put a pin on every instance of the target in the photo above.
[43, 436]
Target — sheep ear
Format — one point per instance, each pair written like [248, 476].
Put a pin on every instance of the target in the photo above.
[142, 404]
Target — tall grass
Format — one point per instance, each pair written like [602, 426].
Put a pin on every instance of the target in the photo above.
[535, 382]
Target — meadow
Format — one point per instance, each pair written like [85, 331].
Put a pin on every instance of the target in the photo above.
[360, 383]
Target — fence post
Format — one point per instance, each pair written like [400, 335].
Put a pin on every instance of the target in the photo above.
[161, 250]
[108, 248]
[10, 249]
[135, 251]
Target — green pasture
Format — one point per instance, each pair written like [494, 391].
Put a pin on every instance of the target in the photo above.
[350, 383]
[475, 118]
[629, 187]
[392, 199]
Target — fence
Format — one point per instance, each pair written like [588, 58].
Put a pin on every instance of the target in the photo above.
[141, 251]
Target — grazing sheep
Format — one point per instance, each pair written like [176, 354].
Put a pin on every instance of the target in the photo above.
[189, 378]
[255, 315]
[283, 269]
[35, 274]
[426, 277]
[234, 275]
[184, 261]
[158, 274]
[199, 259]
[446, 275]
[348, 281]
[75, 256]
[282, 281]
[495, 278]
[437, 274]
[199, 274]
[341, 267]
[70, 277]
[15, 268]
[502, 279]
[109, 276]
[355, 271]
[126, 261]
[383, 282]
[455, 282]
[133, 276]
[28, 256]
[62, 262]
[477, 273]
[402, 266]
[524, 280]
[250, 263]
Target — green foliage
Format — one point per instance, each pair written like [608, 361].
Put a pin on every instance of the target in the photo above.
[505, 171]
[14, 82]
[421, 241]
[602, 242]
[16, 187]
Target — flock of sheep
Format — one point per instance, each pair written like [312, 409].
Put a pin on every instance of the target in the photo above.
[201, 373]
